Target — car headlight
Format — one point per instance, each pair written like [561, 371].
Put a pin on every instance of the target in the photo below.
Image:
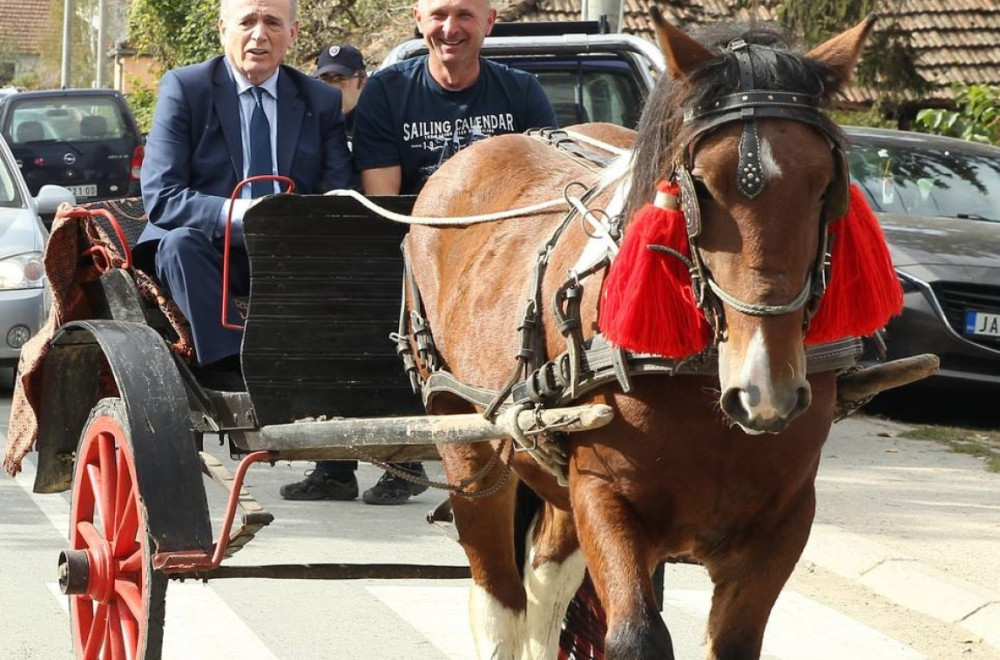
[23, 271]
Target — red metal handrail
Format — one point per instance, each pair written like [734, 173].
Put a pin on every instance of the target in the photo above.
[187, 561]
[229, 223]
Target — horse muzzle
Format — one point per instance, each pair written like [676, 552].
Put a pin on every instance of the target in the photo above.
[764, 409]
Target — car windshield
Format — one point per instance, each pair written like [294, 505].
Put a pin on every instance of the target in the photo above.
[928, 181]
[73, 119]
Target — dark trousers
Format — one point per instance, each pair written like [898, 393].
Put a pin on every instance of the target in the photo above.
[189, 265]
[339, 469]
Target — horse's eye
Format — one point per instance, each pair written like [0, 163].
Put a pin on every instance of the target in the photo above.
[701, 190]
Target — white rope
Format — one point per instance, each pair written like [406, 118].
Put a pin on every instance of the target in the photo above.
[478, 219]
[460, 220]
[603, 146]
[457, 220]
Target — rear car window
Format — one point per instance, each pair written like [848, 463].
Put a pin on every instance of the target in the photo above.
[76, 119]
[927, 182]
[587, 89]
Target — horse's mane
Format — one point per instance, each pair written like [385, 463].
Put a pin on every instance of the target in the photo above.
[661, 134]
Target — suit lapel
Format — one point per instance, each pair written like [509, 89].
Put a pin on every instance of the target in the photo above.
[227, 107]
[291, 110]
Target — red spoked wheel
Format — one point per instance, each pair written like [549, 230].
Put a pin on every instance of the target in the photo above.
[116, 599]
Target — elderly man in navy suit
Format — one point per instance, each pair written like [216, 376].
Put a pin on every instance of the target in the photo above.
[216, 123]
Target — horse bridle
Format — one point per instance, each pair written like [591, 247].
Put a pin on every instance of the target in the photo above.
[747, 105]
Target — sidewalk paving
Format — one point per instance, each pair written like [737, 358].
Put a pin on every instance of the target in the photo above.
[911, 521]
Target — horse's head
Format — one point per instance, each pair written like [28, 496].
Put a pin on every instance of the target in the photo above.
[761, 173]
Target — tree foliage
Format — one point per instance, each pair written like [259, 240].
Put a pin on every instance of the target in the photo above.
[372, 25]
[82, 61]
[142, 101]
[977, 118]
[181, 32]
[175, 32]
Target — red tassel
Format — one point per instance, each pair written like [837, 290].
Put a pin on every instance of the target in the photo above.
[647, 301]
[863, 292]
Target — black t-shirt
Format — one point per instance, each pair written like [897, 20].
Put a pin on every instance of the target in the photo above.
[404, 117]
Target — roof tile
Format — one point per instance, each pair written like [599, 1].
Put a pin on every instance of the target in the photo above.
[25, 23]
[954, 40]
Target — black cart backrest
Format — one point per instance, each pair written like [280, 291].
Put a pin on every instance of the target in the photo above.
[325, 288]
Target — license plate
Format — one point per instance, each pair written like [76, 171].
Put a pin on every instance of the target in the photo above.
[89, 190]
[981, 323]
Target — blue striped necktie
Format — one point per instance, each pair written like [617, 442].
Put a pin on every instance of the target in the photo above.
[260, 146]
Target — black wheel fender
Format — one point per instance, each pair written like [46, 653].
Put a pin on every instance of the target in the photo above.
[168, 468]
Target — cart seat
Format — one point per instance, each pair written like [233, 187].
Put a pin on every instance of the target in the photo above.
[325, 287]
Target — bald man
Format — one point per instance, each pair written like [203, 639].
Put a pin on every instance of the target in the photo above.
[414, 115]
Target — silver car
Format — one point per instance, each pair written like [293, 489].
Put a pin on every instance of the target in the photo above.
[24, 292]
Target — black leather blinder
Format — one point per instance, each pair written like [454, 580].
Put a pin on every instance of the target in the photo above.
[837, 195]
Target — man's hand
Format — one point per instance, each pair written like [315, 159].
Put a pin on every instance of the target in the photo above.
[382, 180]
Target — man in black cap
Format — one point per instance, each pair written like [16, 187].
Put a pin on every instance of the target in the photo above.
[343, 67]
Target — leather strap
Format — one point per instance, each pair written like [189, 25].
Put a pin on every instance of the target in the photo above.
[602, 363]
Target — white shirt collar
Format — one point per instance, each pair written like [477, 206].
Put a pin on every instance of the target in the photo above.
[242, 84]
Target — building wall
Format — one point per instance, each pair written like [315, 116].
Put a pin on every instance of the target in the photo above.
[132, 70]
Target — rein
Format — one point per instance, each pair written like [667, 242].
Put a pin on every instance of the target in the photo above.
[561, 139]
[429, 221]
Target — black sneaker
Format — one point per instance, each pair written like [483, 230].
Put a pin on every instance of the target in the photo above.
[391, 489]
[319, 485]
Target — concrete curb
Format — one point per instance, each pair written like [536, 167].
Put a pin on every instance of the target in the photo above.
[906, 582]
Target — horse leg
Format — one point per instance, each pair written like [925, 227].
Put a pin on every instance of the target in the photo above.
[486, 532]
[749, 577]
[621, 564]
[553, 570]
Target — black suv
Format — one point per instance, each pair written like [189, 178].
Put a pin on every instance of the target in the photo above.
[83, 139]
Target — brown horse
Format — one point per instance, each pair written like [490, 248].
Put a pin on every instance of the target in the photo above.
[681, 471]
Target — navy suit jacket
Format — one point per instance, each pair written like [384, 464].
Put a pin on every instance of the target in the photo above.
[194, 152]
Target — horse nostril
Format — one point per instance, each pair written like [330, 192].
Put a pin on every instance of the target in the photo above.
[803, 398]
[732, 404]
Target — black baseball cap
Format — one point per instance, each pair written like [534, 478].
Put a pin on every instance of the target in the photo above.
[344, 60]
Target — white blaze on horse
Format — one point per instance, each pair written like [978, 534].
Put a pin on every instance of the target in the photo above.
[739, 270]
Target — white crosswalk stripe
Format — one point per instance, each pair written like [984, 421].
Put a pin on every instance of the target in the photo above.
[800, 629]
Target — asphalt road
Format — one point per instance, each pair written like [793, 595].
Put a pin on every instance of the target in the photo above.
[913, 499]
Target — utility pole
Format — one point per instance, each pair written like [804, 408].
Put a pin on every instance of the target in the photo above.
[592, 10]
[102, 18]
[67, 43]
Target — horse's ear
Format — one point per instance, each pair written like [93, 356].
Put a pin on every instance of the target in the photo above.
[841, 53]
[683, 54]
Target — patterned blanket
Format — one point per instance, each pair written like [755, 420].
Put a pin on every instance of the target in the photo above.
[80, 248]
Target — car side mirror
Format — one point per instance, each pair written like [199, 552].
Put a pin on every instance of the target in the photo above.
[50, 197]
